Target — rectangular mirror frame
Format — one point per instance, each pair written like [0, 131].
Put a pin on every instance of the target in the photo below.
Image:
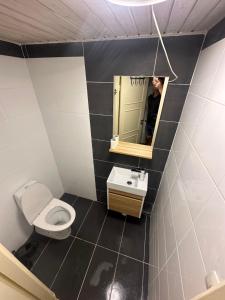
[132, 149]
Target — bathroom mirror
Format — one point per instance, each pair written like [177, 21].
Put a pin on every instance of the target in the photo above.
[137, 106]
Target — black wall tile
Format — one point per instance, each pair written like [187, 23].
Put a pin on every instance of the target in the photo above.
[101, 127]
[215, 34]
[10, 49]
[100, 183]
[119, 57]
[183, 52]
[54, 50]
[101, 151]
[165, 135]
[154, 179]
[157, 162]
[102, 168]
[174, 102]
[151, 195]
[100, 98]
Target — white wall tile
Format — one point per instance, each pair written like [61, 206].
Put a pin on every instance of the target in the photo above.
[25, 151]
[210, 227]
[209, 139]
[195, 178]
[174, 279]
[60, 83]
[163, 284]
[180, 145]
[171, 171]
[60, 86]
[169, 230]
[208, 64]
[192, 269]
[217, 91]
[180, 212]
[198, 185]
[193, 109]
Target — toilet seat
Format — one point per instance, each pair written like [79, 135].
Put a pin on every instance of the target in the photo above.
[42, 222]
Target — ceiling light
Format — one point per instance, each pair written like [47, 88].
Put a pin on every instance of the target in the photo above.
[135, 2]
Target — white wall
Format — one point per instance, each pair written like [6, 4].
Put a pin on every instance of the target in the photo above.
[188, 221]
[60, 86]
[25, 151]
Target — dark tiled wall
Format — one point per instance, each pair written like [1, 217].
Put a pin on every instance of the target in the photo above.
[105, 59]
[10, 49]
[136, 57]
[215, 34]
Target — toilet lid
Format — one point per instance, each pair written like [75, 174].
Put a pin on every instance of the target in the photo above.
[34, 199]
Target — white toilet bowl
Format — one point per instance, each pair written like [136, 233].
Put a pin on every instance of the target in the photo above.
[50, 216]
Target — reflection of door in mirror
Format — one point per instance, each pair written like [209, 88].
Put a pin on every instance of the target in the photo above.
[133, 95]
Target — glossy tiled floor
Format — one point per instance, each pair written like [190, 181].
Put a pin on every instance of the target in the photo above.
[104, 258]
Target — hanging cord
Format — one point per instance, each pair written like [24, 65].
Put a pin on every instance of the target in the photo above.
[164, 49]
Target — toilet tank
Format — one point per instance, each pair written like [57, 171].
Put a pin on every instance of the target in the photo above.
[32, 198]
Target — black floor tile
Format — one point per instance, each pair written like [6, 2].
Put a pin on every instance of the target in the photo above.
[93, 222]
[134, 237]
[81, 207]
[68, 282]
[112, 231]
[97, 285]
[37, 242]
[147, 239]
[69, 198]
[51, 260]
[128, 279]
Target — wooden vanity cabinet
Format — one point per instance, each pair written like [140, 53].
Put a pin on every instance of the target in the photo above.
[125, 203]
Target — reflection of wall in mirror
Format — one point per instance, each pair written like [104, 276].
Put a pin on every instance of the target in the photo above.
[133, 95]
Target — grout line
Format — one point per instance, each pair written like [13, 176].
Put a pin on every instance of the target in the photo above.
[143, 266]
[114, 251]
[84, 219]
[64, 259]
[129, 166]
[56, 275]
[165, 121]
[102, 115]
[78, 238]
[40, 255]
[117, 259]
[92, 255]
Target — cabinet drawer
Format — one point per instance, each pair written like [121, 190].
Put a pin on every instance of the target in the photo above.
[126, 194]
[123, 204]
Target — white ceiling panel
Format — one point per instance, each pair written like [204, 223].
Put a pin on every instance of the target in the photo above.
[31, 21]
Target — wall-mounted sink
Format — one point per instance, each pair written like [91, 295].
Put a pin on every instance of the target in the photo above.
[121, 179]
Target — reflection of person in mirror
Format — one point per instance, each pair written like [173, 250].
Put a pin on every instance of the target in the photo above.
[153, 106]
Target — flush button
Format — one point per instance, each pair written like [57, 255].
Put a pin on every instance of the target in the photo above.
[129, 182]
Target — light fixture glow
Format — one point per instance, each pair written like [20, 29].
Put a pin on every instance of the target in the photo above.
[135, 2]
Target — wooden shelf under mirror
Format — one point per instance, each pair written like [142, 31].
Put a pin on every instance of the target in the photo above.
[131, 149]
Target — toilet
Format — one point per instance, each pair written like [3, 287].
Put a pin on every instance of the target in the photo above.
[49, 216]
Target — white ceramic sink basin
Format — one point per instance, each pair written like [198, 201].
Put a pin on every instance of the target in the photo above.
[121, 179]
